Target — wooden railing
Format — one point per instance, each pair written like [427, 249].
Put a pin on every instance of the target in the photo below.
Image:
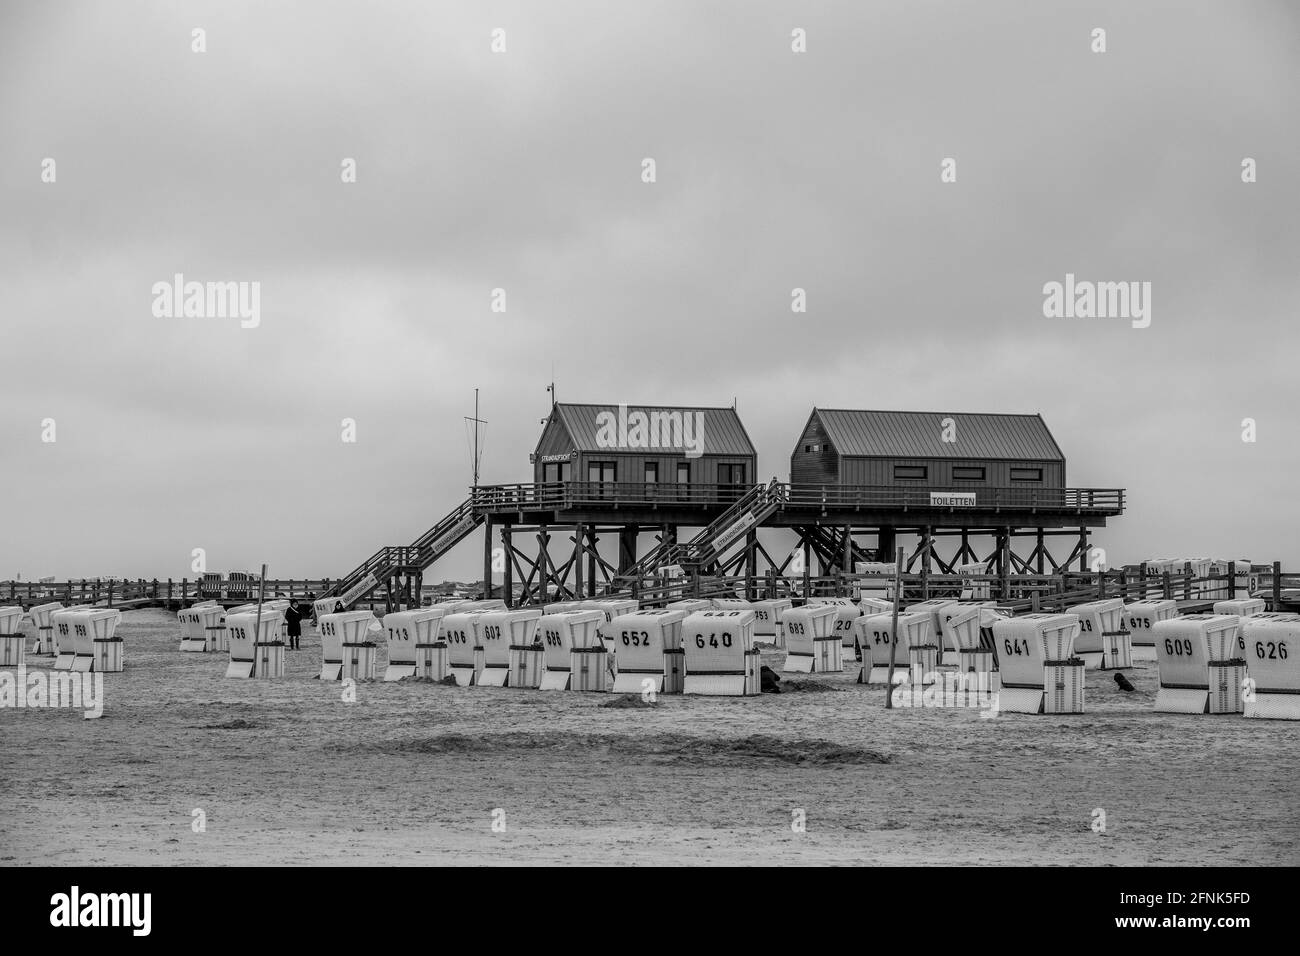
[559, 496]
[153, 591]
[1018, 592]
[430, 546]
[603, 494]
[1107, 500]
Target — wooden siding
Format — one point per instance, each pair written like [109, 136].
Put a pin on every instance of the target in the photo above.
[814, 468]
[880, 471]
[631, 467]
[555, 440]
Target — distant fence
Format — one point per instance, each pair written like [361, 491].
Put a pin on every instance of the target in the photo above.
[155, 591]
[1013, 591]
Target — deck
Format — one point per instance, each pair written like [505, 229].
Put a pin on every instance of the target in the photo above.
[858, 506]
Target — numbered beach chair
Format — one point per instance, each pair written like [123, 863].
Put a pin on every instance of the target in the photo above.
[415, 647]
[650, 652]
[1037, 667]
[721, 659]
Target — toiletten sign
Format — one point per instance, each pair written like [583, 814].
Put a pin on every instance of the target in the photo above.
[948, 499]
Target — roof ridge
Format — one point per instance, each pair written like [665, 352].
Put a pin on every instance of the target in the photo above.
[701, 408]
[905, 411]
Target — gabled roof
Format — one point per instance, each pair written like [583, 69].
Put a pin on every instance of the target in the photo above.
[880, 434]
[723, 433]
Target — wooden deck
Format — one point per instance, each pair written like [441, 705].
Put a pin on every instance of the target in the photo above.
[859, 506]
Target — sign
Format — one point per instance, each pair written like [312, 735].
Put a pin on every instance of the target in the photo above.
[564, 457]
[458, 530]
[736, 529]
[948, 499]
[359, 590]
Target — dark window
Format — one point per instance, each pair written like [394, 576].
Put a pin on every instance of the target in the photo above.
[811, 448]
[1026, 474]
[683, 480]
[651, 471]
[967, 473]
[555, 471]
[730, 479]
[911, 472]
[731, 474]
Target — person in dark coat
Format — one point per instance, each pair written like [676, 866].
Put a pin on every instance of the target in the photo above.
[293, 617]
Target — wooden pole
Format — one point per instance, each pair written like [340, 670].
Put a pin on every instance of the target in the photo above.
[257, 627]
[1277, 586]
[927, 542]
[893, 630]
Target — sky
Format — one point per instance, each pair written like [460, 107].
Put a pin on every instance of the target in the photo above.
[522, 170]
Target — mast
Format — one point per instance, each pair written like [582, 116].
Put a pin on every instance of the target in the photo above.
[477, 422]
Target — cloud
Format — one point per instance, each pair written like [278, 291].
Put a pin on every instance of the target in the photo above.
[521, 171]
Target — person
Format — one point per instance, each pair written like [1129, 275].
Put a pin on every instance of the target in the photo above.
[293, 617]
[338, 607]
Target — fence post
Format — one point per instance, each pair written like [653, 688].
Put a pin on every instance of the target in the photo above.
[1277, 585]
[1187, 583]
[1169, 588]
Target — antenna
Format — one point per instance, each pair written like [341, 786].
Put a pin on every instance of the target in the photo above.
[477, 422]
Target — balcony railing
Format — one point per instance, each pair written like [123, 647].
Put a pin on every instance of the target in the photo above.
[603, 494]
[559, 496]
[868, 497]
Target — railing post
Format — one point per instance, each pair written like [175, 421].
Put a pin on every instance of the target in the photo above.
[1187, 581]
[1277, 585]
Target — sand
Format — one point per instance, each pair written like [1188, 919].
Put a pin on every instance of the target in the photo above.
[286, 772]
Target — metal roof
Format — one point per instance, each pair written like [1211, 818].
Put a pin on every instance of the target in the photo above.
[878, 434]
[723, 433]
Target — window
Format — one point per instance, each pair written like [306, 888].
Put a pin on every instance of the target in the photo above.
[967, 473]
[600, 471]
[811, 448]
[651, 472]
[683, 479]
[555, 471]
[731, 477]
[729, 474]
[1026, 474]
[911, 472]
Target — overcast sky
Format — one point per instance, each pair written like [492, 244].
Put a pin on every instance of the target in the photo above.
[522, 170]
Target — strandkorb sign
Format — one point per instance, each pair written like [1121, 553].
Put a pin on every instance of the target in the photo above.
[364, 586]
[946, 499]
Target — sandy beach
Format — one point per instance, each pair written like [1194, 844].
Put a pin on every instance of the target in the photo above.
[286, 772]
